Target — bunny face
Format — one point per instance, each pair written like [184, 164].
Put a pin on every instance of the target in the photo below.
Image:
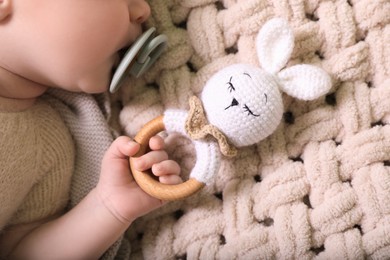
[244, 102]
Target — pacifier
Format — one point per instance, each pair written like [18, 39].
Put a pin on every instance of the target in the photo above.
[140, 56]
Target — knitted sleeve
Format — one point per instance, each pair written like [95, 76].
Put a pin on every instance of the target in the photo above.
[37, 157]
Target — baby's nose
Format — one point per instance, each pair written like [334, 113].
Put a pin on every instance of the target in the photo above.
[139, 11]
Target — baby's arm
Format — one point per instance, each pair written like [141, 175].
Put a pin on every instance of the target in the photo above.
[89, 229]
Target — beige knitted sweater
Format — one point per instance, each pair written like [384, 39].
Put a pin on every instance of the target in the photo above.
[51, 156]
[36, 164]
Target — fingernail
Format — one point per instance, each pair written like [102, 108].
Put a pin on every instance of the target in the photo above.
[133, 144]
[140, 164]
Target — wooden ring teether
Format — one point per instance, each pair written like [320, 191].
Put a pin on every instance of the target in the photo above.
[146, 180]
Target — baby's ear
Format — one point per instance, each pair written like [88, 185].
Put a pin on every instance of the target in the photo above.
[274, 43]
[304, 82]
[5, 8]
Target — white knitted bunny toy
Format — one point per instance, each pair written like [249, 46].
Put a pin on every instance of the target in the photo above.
[242, 103]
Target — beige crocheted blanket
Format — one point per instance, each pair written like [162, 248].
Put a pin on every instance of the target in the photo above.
[318, 187]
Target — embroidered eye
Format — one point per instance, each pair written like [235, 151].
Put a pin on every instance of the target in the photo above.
[247, 109]
[230, 85]
[247, 74]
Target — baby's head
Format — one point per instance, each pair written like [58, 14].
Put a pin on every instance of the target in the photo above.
[70, 44]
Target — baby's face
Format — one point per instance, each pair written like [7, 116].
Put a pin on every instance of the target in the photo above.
[71, 44]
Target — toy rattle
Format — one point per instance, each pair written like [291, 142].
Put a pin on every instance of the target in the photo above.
[239, 106]
[139, 57]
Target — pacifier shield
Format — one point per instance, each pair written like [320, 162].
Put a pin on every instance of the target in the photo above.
[140, 56]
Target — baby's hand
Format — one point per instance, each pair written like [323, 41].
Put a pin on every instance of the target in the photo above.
[117, 188]
[167, 170]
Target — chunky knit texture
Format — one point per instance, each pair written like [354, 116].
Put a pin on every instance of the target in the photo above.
[37, 160]
[318, 187]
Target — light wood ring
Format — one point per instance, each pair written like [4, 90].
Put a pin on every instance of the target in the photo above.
[146, 180]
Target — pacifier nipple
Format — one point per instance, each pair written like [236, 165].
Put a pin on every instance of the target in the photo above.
[140, 56]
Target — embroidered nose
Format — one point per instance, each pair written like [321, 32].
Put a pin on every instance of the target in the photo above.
[234, 103]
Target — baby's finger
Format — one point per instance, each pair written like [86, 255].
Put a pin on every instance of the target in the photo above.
[146, 161]
[121, 148]
[166, 167]
[115, 163]
[170, 179]
[156, 143]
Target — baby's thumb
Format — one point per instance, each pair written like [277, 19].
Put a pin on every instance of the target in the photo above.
[123, 147]
[116, 159]
[119, 151]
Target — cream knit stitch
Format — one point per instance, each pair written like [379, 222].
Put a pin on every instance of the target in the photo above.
[316, 188]
[36, 165]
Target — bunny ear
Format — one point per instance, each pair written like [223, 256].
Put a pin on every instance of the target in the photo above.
[305, 82]
[274, 43]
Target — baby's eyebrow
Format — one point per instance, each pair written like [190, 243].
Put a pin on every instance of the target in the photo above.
[247, 74]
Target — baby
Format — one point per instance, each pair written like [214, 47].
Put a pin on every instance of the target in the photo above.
[71, 45]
